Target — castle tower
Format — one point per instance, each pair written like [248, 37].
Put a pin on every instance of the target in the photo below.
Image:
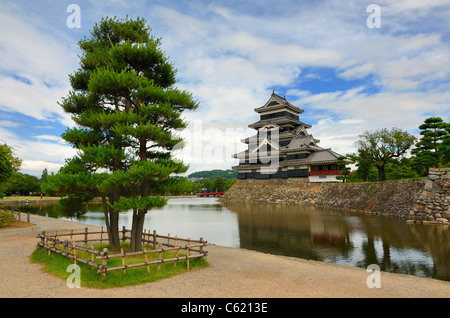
[283, 148]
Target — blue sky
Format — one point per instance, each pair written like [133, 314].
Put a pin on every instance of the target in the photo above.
[321, 55]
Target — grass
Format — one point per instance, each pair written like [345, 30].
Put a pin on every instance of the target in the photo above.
[57, 264]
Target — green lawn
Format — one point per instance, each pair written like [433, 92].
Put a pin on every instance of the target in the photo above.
[57, 265]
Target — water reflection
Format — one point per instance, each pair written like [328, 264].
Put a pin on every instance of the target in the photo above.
[345, 238]
[329, 235]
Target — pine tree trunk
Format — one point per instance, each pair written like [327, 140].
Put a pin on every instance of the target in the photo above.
[112, 224]
[113, 232]
[137, 230]
[133, 231]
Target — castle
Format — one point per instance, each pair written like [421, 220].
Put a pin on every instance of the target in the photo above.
[283, 148]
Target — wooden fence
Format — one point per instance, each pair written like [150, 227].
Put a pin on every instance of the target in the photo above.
[68, 248]
[18, 214]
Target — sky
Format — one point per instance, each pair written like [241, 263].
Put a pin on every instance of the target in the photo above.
[352, 66]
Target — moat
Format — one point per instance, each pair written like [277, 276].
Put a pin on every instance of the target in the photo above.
[322, 234]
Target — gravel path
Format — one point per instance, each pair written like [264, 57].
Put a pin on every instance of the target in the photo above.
[236, 273]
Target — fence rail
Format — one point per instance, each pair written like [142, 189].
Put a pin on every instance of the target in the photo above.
[66, 248]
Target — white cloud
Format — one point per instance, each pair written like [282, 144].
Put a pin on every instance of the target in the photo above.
[50, 138]
[231, 58]
[7, 123]
[35, 167]
[34, 65]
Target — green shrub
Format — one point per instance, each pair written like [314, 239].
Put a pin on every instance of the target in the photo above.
[6, 218]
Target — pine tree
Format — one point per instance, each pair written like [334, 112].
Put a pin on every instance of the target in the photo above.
[127, 111]
[429, 151]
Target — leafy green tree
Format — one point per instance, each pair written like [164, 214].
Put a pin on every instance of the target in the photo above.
[8, 162]
[383, 146]
[230, 182]
[208, 185]
[22, 184]
[402, 169]
[219, 184]
[127, 112]
[430, 150]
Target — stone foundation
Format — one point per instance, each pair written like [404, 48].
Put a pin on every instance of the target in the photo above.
[433, 205]
[417, 200]
[276, 190]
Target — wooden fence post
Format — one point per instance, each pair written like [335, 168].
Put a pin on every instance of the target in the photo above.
[159, 257]
[104, 260]
[28, 218]
[48, 244]
[201, 247]
[56, 239]
[123, 233]
[175, 263]
[146, 260]
[85, 235]
[92, 255]
[43, 238]
[187, 256]
[154, 239]
[74, 251]
[123, 259]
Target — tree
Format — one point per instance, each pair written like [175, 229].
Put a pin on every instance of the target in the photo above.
[208, 185]
[8, 166]
[382, 146]
[342, 163]
[230, 182]
[8, 163]
[22, 184]
[219, 184]
[444, 147]
[362, 163]
[430, 150]
[127, 111]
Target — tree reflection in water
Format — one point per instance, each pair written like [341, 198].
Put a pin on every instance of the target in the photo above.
[323, 234]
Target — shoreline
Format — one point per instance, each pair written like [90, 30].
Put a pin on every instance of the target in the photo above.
[233, 273]
[31, 200]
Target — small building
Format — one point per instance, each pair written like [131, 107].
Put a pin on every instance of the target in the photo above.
[283, 148]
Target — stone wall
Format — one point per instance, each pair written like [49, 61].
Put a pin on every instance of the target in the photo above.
[277, 190]
[420, 200]
[433, 204]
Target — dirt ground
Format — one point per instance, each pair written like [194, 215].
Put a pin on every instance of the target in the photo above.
[233, 273]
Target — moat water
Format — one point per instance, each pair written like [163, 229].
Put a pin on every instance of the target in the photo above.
[322, 234]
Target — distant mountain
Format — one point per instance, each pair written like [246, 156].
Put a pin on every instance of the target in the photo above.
[213, 174]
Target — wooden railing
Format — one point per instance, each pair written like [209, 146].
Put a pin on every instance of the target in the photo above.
[53, 243]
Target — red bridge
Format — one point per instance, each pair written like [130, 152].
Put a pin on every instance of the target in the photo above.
[209, 194]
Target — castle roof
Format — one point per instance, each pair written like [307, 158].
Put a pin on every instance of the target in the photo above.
[277, 102]
[277, 121]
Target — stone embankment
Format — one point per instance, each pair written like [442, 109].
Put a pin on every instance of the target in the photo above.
[433, 205]
[416, 200]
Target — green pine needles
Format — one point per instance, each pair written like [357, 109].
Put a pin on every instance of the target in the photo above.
[127, 112]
